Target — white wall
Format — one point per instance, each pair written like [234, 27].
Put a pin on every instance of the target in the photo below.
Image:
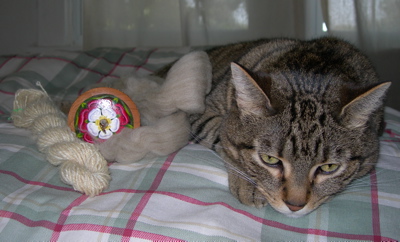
[39, 25]
[18, 25]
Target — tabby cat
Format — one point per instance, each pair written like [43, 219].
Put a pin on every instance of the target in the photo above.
[295, 121]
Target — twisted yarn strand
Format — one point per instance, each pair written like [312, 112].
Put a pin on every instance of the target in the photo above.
[81, 164]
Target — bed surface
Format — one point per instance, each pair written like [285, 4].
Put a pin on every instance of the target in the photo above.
[183, 196]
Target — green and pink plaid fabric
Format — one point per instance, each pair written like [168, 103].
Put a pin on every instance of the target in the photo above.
[183, 196]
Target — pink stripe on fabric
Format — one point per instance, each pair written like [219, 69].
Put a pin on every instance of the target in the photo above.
[274, 224]
[26, 62]
[63, 60]
[129, 229]
[146, 60]
[116, 64]
[35, 183]
[6, 61]
[376, 226]
[79, 227]
[107, 60]
[64, 216]
[121, 231]
[115, 231]
[391, 141]
[27, 222]
[7, 93]
[111, 71]
[123, 65]
[392, 134]
[137, 67]
[267, 222]
[110, 62]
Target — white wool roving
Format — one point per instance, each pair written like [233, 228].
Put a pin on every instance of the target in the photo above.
[164, 106]
[81, 164]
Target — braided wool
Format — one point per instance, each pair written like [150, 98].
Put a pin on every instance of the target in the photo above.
[81, 164]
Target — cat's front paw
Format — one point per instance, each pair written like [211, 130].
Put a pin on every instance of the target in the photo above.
[246, 191]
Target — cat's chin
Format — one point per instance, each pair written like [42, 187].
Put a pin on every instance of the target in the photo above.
[297, 214]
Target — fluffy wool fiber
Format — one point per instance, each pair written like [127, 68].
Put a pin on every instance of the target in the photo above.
[163, 106]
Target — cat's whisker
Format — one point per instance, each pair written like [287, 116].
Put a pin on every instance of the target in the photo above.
[359, 186]
[236, 171]
[195, 138]
[241, 174]
[208, 144]
[387, 183]
[231, 169]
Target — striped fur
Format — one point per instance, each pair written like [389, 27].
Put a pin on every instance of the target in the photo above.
[306, 103]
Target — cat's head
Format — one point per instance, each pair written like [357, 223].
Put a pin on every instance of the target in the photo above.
[301, 144]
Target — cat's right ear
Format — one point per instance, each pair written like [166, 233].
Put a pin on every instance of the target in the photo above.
[250, 98]
[357, 113]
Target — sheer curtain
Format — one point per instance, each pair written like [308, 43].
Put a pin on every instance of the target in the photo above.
[372, 25]
[127, 23]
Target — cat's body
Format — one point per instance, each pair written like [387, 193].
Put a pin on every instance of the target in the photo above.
[295, 121]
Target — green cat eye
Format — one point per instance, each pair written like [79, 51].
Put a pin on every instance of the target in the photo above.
[329, 168]
[269, 160]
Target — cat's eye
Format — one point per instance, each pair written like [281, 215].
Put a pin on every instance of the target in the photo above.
[328, 168]
[269, 160]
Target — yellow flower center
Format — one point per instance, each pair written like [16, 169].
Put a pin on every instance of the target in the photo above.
[103, 123]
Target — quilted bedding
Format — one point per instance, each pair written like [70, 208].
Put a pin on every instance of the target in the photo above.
[182, 196]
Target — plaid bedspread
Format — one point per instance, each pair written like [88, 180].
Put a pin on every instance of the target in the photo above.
[183, 196]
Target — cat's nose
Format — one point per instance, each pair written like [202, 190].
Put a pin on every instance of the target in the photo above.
[294, 207]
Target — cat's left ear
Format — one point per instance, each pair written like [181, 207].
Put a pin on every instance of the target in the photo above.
[250, 98]
[357, 113]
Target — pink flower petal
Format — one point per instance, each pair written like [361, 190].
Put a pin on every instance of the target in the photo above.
[83, 116]
[88, 138]
[93, 104]
[124, 118]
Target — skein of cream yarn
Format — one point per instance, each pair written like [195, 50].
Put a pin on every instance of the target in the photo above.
[81, 164]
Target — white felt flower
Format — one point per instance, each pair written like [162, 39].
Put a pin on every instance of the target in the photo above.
[102, 122]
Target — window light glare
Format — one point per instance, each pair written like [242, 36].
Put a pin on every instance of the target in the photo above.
[324, 27]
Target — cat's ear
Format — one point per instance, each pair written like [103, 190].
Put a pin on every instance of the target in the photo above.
[250, 98]
[357, 112]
